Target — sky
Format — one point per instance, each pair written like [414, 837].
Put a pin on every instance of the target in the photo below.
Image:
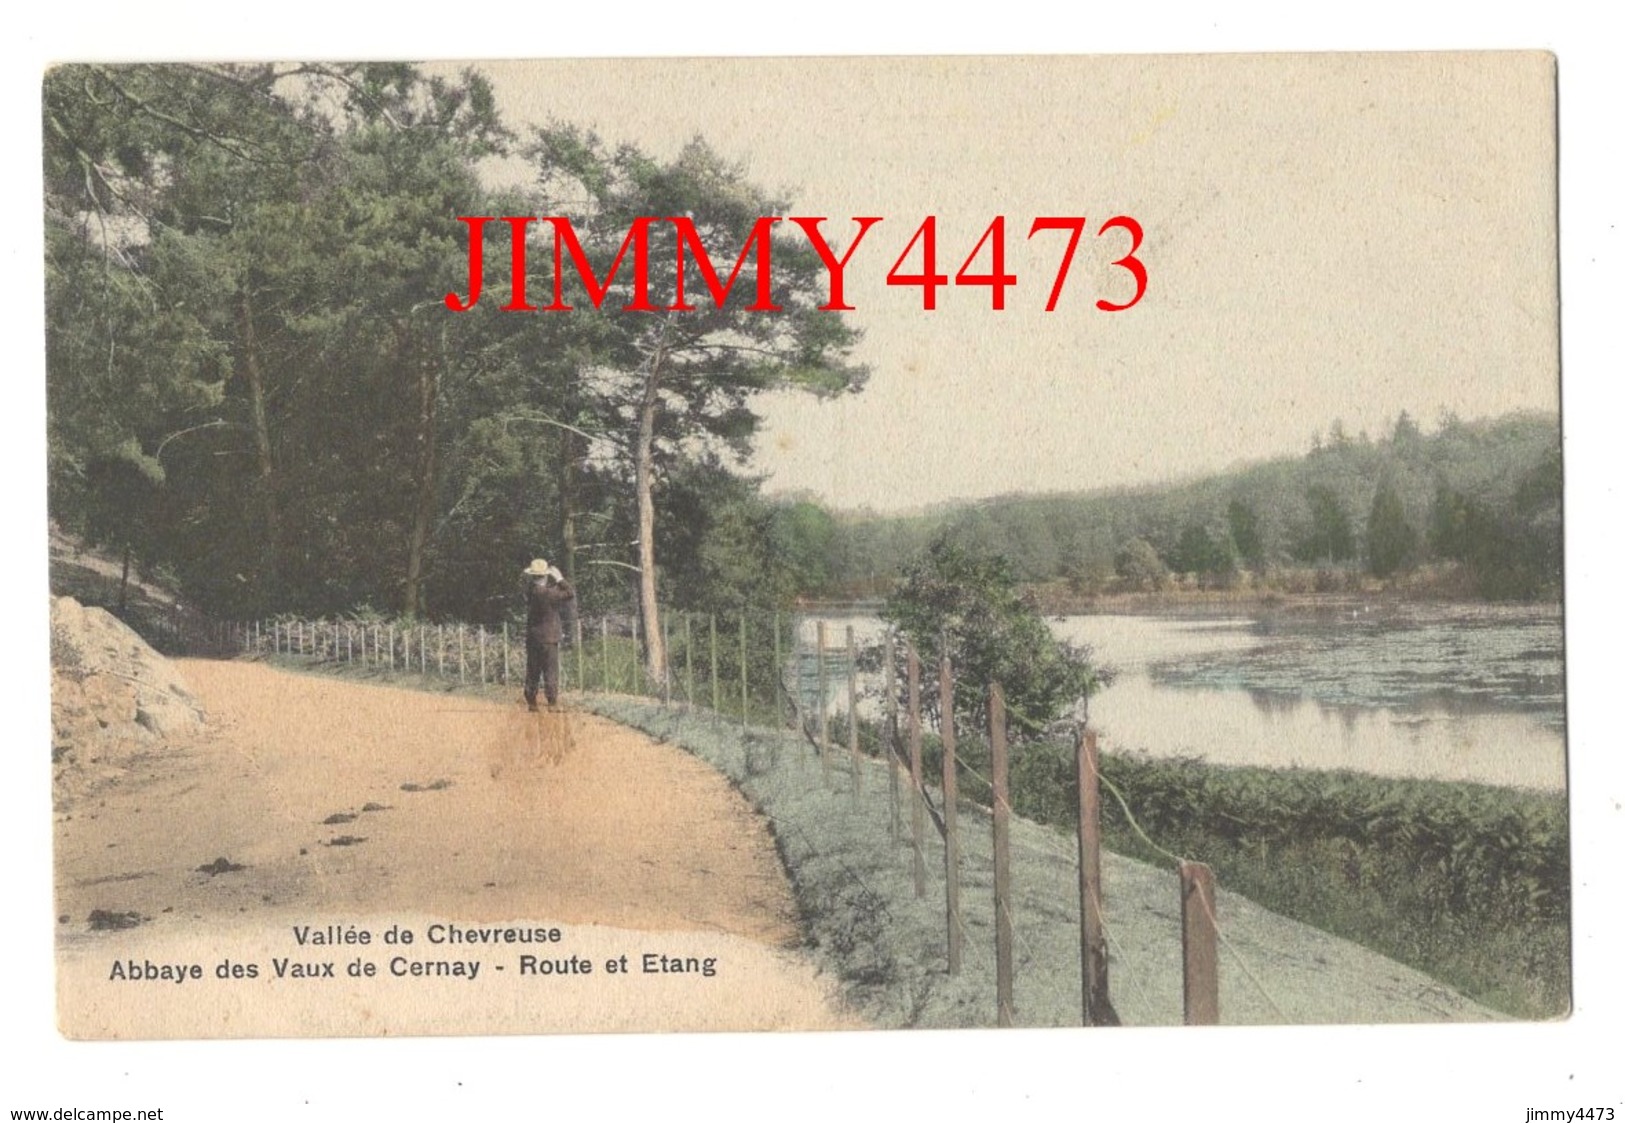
[1333, 1073]
[1324, 239]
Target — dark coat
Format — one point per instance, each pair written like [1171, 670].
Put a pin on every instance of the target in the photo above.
[543, 602]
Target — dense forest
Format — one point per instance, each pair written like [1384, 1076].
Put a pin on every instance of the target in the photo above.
[1471, 509]
[257, 391]
[259, 388]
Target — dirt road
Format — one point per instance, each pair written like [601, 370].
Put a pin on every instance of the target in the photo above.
[316, 812]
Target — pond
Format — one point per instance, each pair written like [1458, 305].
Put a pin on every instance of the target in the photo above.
[1442, 692]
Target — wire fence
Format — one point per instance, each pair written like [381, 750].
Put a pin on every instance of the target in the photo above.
[852, 702]
[751, 668]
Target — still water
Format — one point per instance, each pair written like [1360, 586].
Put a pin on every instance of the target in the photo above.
[1434, 691]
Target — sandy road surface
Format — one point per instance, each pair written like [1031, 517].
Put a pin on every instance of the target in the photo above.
[365, 806]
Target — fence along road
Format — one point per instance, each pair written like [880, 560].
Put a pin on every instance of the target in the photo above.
[1231, 960]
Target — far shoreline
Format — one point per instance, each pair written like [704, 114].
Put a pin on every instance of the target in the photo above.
[1054, 599]
[1181, 602]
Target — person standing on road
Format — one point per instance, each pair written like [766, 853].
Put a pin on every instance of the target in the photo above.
[547, 591]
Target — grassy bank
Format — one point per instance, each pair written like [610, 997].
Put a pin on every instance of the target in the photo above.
[1466, 882]
[1290, 841]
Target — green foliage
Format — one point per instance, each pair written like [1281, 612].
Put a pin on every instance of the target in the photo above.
[710, 370]
[1467, 882]
[1391, 540]
[1199, 552]
[1329, 535]
[1275, 513]
[253, 381]
[1515, 550]
[1496, 852]
[968, 606]
[804, 535]
[1140, 568]
[1246, 533]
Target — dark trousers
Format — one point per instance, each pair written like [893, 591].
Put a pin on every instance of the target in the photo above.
[541, 665]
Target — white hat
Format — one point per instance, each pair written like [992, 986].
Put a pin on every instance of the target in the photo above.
[538, 568]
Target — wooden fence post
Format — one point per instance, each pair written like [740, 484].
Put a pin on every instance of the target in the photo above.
[778, 670]
[581, 657]
[852, 711]
[1003, 927]
[744, 673]
[637, 650]
[716, 682]
[688, 658]
[1097, 1002]
[604, 649]
[823, 706]
[665, 645]
[462, 659]
[505, 675]
[916, 771]
[482, 654]
[423, 650]
[889, 734]
[950, 813]
[1200, 930]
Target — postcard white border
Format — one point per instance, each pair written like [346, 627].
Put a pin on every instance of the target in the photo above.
[1487, 1073]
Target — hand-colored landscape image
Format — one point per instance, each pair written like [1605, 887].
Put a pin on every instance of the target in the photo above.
[539, 547]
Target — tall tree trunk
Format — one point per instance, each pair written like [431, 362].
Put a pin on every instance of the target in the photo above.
[653, 639]
[272, 528]
[427, 467]
[567, 496]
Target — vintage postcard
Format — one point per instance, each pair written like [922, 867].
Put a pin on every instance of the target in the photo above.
[805, 544]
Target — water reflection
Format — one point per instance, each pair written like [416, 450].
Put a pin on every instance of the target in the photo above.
[1443, 692]
[1267, 728]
